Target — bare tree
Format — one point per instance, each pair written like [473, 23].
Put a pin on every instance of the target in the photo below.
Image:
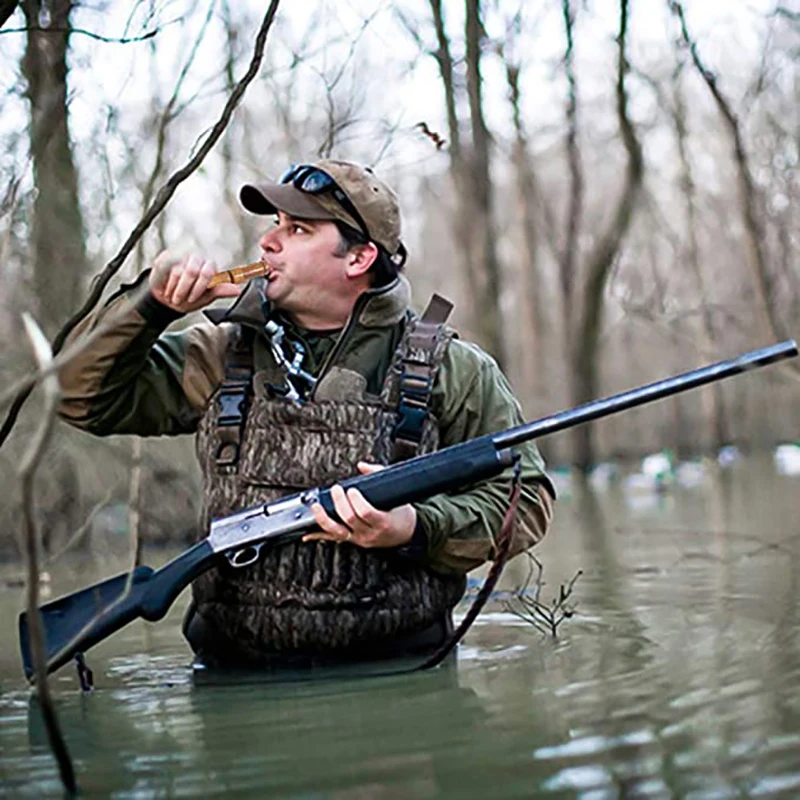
[569, 254]
[470, 171]
[484, 233]
[712, 395]
[586, 340]
[60, 265]
[748, 194]
[534, 316]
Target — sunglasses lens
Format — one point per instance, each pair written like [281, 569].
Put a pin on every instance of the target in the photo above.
[315, 181]
[307, 179]
[289, 174]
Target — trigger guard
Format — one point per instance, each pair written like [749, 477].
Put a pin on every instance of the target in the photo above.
[245, 556]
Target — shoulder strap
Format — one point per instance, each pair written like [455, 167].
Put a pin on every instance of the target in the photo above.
[418, 367]
[232, 399]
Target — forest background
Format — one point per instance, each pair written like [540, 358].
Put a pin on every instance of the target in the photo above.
[607, 191]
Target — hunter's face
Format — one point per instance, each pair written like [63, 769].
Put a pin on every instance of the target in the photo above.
[305, 275]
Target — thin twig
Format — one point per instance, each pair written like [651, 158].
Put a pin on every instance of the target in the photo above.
[27, 470]
[546, 618]
[99, 37]
[134, 502]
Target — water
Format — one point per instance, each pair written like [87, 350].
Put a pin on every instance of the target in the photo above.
[678, 675]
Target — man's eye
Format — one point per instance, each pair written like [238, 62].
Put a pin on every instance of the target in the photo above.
[298, 229]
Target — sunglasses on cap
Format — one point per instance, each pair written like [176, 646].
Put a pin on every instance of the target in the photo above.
[313, 180]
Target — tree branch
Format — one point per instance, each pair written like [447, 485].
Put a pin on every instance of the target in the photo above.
[27, 470]
[748, 193]
[90, 34]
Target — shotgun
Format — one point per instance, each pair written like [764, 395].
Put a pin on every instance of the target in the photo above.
[74, 623]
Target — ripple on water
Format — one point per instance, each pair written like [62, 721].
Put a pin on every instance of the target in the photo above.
[588, 745]
[582, 778]
[772, 784]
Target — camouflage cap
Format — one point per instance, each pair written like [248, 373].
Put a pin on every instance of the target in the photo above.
[372, 198]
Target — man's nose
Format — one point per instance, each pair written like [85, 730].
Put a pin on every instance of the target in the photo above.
[270, 241]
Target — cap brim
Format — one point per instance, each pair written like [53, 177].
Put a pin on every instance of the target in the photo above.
[269, 198]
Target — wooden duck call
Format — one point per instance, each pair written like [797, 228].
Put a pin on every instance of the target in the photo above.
[239, 274]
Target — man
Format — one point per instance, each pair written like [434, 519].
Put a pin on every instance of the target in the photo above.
[317, 371]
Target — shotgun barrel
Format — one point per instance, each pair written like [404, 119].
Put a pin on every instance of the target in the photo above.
[646, 394]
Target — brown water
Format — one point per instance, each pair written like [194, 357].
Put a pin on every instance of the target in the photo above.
[679, 675]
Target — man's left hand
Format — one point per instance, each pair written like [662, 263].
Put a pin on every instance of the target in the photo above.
[364, 524]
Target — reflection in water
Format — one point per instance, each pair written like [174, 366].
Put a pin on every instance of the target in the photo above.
[390, 735]
[679, 676]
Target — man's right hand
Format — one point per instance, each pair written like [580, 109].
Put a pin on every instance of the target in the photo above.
[182, 284]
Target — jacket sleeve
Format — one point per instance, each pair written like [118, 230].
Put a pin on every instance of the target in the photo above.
[128, 376]
[474, 398]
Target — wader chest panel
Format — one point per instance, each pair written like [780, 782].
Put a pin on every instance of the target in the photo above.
[316, 596]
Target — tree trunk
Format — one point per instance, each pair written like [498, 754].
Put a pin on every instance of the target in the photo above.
[59, 252]
[459, 168]
[585, 352]
[490, 280]
[569, 254]
[535, 309]
[713, 402]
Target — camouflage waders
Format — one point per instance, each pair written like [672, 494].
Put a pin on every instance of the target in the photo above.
[317, 598]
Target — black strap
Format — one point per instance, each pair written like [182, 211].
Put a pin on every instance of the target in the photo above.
[233, 398]
[418, 369]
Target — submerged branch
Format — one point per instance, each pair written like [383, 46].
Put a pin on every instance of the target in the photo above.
[27, 470]
[545, 617]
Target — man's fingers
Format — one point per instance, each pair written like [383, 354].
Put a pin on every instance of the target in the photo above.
[344, 508]
[182, 284]
[173, 277]
[365, 512]
[162, 264]
[365, 468]
[200, 286]
[226, 290]
[189, 276]
[160, 276]
[336, 530]
[321, 537]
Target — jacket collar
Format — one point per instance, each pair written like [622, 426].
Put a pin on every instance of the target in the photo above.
[375, 308]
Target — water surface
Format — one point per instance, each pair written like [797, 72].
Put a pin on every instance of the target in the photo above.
[678, 675]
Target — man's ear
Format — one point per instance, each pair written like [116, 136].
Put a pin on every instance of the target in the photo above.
[360, 258]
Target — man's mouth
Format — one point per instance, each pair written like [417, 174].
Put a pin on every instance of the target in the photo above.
[271, 272]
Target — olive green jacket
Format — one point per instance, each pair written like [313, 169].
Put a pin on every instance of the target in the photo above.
[135, 378]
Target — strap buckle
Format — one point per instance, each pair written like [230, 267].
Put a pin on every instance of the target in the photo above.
[231, 402]
[410, 419]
